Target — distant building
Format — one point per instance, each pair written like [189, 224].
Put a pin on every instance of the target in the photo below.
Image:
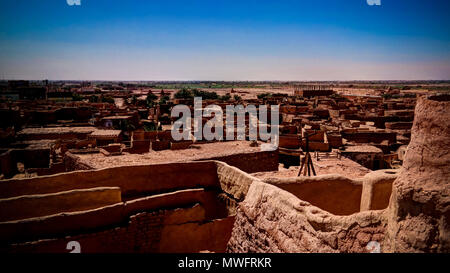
[105, 137]
[17, 84]
[32, 93]
[26, 91]
[312, 91]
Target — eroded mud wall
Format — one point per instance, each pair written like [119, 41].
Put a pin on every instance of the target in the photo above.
[419, 209]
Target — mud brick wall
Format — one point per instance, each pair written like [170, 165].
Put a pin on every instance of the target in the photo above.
[55, 167]
[142, 135]
[322, 113]
[419, 211]
[70, 222]
[316, 146]
[252, 162]
[139, 146]
[333, 193]
[30, 206]
[37, 158]
[288, 109]
[32, 158]
[180, 145]
[233, 181]
[132, 180]
[291, 141]
[288, 129]
[341, 195]
[41, 117]
[160, 145]
[288, 159]
[73, 163]
[273, 220]
[8, 166]
[177, 230]
[371, 161]
[335, 141]
[165, 135]
[399, 125]
[314, 135]
[367, 137]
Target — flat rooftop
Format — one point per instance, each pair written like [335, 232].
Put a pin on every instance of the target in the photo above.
[56, 130]
[362, 149]
[105, 133]
[326, 165]
[196, 152]
[116, 117]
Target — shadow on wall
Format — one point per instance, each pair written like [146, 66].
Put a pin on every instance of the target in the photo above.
[180, 207]
[340, 195]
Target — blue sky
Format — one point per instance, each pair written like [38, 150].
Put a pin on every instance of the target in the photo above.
[225, 40]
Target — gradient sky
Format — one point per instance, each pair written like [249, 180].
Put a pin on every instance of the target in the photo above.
[225, 40]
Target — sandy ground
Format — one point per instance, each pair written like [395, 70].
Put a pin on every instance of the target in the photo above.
[196, 152]
[326, 165]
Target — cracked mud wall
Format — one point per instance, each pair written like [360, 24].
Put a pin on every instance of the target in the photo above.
[419, 210]
[273, 220]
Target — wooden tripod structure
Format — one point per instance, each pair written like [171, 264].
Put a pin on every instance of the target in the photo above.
[306, 162]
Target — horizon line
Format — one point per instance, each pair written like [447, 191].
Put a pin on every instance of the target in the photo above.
[268, 81]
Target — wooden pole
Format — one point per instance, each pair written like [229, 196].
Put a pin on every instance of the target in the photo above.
[306, 162]
[309, 163]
